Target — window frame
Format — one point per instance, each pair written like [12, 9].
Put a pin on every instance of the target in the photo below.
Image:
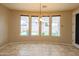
[41, 27]
[51, 25]
[28, 26]
[31, 26]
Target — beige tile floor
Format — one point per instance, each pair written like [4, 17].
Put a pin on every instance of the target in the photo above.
[23, 49]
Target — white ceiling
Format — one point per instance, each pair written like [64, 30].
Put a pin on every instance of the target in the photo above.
[36, 6]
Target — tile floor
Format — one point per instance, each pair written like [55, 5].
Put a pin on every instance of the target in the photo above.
[22, 49]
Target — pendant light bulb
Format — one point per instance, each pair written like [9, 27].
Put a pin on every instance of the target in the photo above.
[40, 19]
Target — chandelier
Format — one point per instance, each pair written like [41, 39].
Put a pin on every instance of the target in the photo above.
[40, 13]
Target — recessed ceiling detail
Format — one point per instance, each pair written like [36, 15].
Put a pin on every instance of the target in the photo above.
[45, 6]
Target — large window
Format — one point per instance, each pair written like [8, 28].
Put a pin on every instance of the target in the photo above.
[45, 26]
[35, 26]
[24, 26]
[55, 25]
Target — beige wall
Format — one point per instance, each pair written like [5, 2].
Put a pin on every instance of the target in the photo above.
[3, 24]
[66, 28]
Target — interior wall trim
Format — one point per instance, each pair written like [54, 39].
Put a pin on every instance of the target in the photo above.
[73, 27]
[12, 43]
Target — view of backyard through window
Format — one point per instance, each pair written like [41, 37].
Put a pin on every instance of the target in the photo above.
[24, 26]
[55, 25]
[45, 28]
[35, 26]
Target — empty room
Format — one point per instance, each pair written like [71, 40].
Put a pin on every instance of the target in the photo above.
[39, 29]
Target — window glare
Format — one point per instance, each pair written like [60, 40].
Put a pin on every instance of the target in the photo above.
[56, 26]
[35, 26]
[45, 26]
[24, 26]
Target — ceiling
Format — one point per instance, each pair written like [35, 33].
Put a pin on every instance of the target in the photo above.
[44, 6]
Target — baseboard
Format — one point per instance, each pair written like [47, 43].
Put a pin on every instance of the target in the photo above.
[76, 45]
[3, 46]
[27, 43]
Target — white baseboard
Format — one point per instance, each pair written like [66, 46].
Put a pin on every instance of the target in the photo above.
[76, 45]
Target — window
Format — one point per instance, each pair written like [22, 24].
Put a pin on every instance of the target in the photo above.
[45, 26]
[35, 26]
[24, 26]
[55, 25]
